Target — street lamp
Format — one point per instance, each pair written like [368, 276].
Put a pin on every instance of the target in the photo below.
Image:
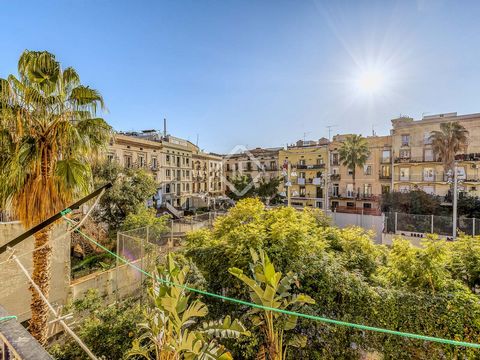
[455, 197]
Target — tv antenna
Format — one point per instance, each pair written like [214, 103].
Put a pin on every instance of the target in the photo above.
[329, 127]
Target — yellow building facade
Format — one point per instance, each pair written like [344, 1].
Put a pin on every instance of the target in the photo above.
[308, 164]
[418, 167]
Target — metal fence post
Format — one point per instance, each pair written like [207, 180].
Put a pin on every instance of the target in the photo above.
[431, 225]
[396, 222]
[473, 227]
[170, 243]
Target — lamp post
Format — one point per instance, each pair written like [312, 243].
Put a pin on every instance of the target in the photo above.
[454, 178]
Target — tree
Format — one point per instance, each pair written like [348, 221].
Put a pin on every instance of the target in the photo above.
[157, 226]
[130, 191]
[240, 184]
[267, 190]
[447, 142]
[50, 133]
[268, 288]
[354, 153]
[168, 332]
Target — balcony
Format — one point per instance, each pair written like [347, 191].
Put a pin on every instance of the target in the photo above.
[335, 177]
[468, 157]
[410, 159]
[358, 210]
[422, 178]
[305, 166]
[385, 176]
[386, 160]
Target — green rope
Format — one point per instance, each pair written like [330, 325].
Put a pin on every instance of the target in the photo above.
[282, 311]
[5, 318]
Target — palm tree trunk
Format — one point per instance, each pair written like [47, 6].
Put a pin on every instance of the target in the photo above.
[41, 276]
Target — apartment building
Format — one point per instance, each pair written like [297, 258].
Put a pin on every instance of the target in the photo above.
[256, 163]
[416, 166]
[207, 177]
[308, 164]
[371, 180]
[132, 152]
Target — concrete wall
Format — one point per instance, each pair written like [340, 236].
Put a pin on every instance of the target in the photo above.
[14, 293]
[368, 222]
[123, 278]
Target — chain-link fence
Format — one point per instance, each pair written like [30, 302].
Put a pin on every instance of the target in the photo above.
[146, 248]
[396, 222]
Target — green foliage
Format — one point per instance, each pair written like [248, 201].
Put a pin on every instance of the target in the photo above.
[265, 190]
[431, 290]
[147, 217]
[131, 189]
[268, 288]
[448, 141]
[241, 183]
[413, 202]
[354, 153]
[167, 332]
[108, 331]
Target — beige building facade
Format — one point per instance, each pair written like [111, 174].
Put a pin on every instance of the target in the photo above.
[372, 180]
[417, 166]
[258, 163]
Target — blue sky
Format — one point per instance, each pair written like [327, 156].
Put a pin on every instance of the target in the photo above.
[257, 73]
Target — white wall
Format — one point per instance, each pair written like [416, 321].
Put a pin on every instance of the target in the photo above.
[368, 222]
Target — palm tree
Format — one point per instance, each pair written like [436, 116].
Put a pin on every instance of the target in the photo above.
[354, 153]
[49, 134]
[447, 142]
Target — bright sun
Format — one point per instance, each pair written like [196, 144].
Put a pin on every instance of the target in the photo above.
[370, 81]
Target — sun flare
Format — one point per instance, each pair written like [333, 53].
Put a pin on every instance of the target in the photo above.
[370, 81]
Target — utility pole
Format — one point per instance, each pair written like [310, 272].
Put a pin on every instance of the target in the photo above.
[455, 195]
[289, 184]
[329, 127]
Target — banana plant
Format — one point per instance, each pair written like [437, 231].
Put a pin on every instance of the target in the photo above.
[170, 332]
[268, 288]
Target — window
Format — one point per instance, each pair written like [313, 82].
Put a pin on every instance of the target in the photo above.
[301, 175]
[110, 157]
[187, 161]
[428, 155]
[319, 192]
[404, 154]
[128, 161]
[301, 162]
[141, 161]
[350, 190]
[404, 188]
[427, 138]
[367, 169]
[154, 162]
[335, 190]
[167, 188]
[367, 205]
[187, 173]
[428, 174]
[385, 156]
[406, 140]
[167, 173]
[334, 204]
[228, 167]
[335, 159]
[367, 189]
[303, 191]
[320, 161]
[404, 174]
[236, 166]
[273, 166]
[350, 204]
[385, 189]
[350, 172]
[167, 157]
[385, 172]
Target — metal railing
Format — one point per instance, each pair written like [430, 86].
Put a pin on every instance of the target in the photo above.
[17, 343]
[429, 224]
